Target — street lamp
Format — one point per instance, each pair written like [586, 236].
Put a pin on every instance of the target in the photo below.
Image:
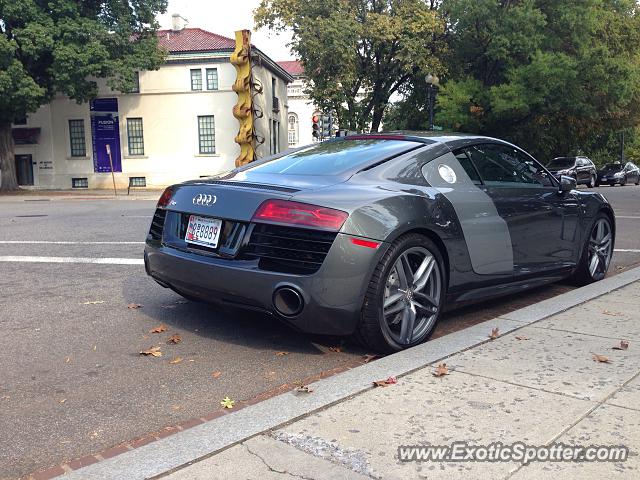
[433, 83]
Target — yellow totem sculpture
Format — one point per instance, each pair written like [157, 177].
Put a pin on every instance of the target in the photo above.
[243, 110]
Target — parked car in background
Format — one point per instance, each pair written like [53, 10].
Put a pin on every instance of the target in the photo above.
[617, 173]
[580, 168]
[374, 235]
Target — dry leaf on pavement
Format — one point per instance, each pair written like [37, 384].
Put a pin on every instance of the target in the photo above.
[62, 401]
[521, 337]
[441, 370]
[227, 402]
[495, 333]
[153, 351]
[134, 306]
[368, 357]
[281, 354]
[159, 329]
[613, 314]
[384, 383]
[176, 360]
[174, 339]
[216, 374]
[67, 359]
[600, 358]
[303, 389]
[624, 344]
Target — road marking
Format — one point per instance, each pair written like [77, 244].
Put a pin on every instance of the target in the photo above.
[108, 261]
[632, 250]
[44, 242]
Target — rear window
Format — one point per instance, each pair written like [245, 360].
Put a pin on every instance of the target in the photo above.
[612, 167]
[561, 163]
[334, 158]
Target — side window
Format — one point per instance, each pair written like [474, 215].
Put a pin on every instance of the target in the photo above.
[503, 165]
[468, 167]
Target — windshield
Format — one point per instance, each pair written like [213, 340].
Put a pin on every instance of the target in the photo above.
[612, 167]
[558, 163]
[334, 158]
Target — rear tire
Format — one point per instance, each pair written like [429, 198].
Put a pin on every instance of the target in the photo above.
[411, 280]
[599, 244]
[623, 181]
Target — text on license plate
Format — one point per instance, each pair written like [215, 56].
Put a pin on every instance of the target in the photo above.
[203, 231]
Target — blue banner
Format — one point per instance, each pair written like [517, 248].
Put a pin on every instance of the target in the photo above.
[105, 130]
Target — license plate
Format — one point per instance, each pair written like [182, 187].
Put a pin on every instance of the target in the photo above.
[203, 231]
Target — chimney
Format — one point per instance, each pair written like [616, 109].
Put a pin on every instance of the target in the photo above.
[178, 22]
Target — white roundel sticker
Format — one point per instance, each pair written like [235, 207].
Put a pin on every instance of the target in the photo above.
[447, 173]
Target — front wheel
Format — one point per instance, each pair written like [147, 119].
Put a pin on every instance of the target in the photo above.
[592, 182]
[596, 254]
[623, 181]
[405, 296]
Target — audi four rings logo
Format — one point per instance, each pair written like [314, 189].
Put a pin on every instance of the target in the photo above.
[204, 200]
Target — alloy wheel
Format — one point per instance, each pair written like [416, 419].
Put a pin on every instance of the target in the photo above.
[600, 248]
[411, 298]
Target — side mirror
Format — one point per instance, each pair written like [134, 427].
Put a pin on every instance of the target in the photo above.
[567, 184]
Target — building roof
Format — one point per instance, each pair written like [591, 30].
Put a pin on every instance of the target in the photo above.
[293, 67]
[193, 40]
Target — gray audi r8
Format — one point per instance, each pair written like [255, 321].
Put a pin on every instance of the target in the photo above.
[373, 235]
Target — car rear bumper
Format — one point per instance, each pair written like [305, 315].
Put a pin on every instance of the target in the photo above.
[332, 297]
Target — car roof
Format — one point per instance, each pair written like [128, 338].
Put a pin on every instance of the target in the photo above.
[451, 139]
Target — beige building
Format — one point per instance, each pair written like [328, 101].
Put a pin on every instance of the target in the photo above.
[177, 125]
[301, 108]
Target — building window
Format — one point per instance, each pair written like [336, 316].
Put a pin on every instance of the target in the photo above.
[76, 138]
[136, 83]
[275, 137]
[196, 79]
[293, 129]
[82, 182]
[135, 136]
[212, 79]
[206, 134]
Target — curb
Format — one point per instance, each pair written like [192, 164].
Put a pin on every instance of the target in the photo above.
[206, 439]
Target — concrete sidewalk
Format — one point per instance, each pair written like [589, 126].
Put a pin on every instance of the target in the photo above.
[57, 195]
[537, 385]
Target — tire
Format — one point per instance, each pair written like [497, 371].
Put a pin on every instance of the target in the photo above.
[583, 274]
[388, 332]
[592, 182]
[623, 182]
[638, 181]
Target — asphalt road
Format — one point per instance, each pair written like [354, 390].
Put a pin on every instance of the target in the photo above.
[72, 381]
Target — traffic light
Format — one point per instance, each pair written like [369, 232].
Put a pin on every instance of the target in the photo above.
[316, 131]
[326, 124]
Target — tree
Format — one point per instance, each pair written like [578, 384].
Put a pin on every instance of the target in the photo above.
[61, 47]
[551, 75]
[356, 54]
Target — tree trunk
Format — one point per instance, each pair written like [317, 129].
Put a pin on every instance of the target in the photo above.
[7, 159]
[378, 113]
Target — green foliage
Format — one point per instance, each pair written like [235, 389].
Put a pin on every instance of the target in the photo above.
[551, 75]
[62, 46]
[358, 53]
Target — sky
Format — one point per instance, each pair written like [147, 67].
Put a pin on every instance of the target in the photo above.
[224, 17]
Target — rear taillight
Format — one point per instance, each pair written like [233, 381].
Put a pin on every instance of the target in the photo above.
[165, 198]
[294, 213]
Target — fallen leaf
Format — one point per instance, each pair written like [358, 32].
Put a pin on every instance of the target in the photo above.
[227, 402]
[521, 337]
[174, 339]
[384, 383]
[624, 344]
[176, 360]
[216, 374]
[303, 389]
[367, 358]
[176, 407]
[281, 354]
[495, 333]
[62, 401]
[613, 314]
[95, 347]
[159, 329]
[134, 306]
[600, 358]
[335, 349]
[67, 359]
[441, 370]
[153, 351]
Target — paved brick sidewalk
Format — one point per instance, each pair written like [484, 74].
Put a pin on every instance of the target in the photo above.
[538, 384]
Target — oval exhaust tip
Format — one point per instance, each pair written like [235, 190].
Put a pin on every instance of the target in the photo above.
[287, 301]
